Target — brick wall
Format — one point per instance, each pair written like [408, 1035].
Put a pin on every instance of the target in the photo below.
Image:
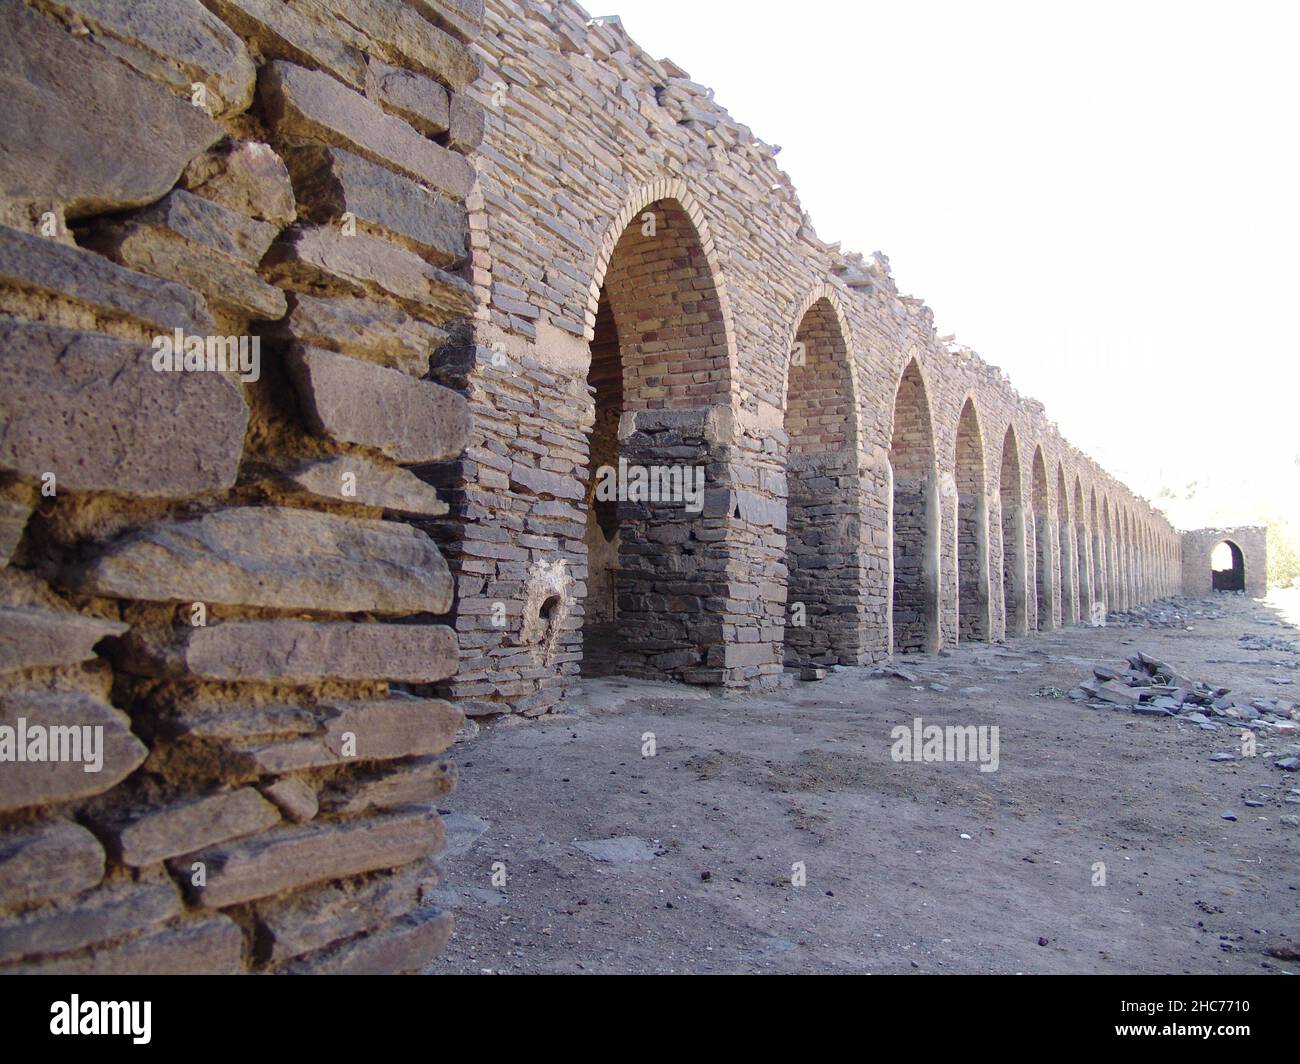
[824, 538]
[230, 575]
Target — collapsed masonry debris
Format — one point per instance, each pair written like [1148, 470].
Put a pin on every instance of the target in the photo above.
[1150, 687]
[1175, 612]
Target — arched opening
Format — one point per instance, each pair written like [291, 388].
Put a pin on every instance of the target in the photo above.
[1100, 568]
[1082, 554]
[822, 526]
[1042, 552]
[658, 344]
[1227, 567]
[1065, 539]
[972, 529]
[1012, 525]
[915, 571]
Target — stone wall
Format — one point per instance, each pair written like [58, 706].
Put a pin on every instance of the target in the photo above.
[613, 186]
[1198, 546]
[229, 576]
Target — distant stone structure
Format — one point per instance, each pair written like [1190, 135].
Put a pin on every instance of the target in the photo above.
[1247, 551]
[273, 272]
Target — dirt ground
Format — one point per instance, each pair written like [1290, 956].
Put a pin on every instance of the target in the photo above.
[911, 867]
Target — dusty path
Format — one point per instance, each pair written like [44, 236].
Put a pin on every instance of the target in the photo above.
[741, 789]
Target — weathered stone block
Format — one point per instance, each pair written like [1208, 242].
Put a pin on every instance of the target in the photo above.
[393, 28]
[48, 861]
[294, 798]
[32, 638]
[276, 557]
[176, 42]
[313, 106]
[420, 100]
[322, 915]
[355, 478]
[405, 946]
[299, 652]
[93, 411]
[212, 945]
[464, 18]
[190, 826]
[117, 909]
[375, 730]
[330, 181]
[210, 225]
[222, 281]
[356, 402]
[68, 724]
[37, 264]
[246, 177]
[67, 103]
[282, 32]
[361, 264]
[292, 857]
[467, 124]
[378, 332]
[387, 786]
[13, 521]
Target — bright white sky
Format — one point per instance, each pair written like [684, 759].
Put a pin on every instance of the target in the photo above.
[1101, 198]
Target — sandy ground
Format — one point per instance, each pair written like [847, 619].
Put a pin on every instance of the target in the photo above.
[910, 866]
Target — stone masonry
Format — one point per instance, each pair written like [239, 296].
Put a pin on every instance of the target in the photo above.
[1251, 549]
[226, 567]
[870, 488]
[324, 322]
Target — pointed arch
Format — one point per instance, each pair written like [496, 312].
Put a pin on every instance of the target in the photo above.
[1066, 549]
[1083, 552]
[1042, 543]
[973, 599]
[914, 575]
[825, 609]
[1012, 527]
[659, 252]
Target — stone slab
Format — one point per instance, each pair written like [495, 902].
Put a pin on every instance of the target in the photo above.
[292, 857]
[92, 410]
[34, 638]
[299, 652]
[52, 860]
[188, 826]
[276, 557]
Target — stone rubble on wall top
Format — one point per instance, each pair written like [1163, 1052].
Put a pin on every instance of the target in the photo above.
[278, 558]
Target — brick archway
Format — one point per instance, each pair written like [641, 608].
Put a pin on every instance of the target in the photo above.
[973, 599]
[1012, 514]
[825, 608]
[914, 593]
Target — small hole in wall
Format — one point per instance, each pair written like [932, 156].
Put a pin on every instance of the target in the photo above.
[548, 607]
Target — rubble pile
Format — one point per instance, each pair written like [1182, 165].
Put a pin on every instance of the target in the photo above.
[1174, 612]
[1150, 687]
